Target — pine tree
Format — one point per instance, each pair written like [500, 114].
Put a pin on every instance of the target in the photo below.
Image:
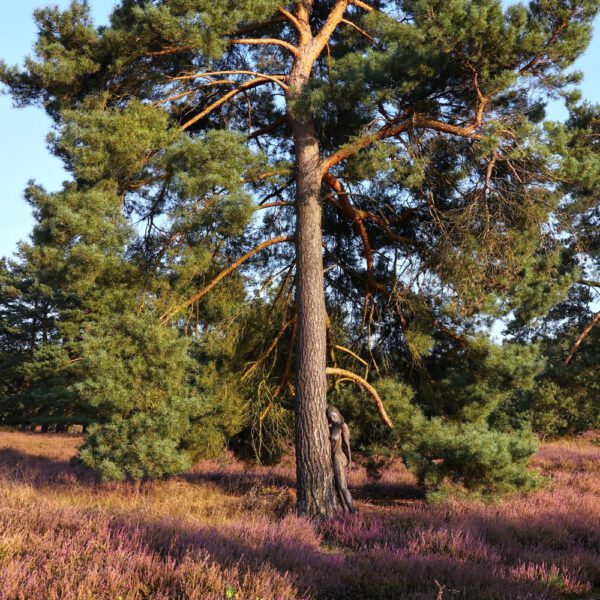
[578, 144]
[57, 281]
[565, 400]
[138, 385]
[397, 145]
[27, 322]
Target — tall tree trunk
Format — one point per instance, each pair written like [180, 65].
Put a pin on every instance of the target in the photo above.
[314, 470]
[314, 473]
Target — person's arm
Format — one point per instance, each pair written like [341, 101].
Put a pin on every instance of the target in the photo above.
[346, 437]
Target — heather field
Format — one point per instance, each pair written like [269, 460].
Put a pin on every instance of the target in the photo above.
[226, 531]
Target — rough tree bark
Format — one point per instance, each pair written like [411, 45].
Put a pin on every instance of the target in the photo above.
[316, 492]
[314, 473]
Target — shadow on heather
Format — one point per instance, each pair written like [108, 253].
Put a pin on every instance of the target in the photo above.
[296, 548]
[242, 481]
[41, 471]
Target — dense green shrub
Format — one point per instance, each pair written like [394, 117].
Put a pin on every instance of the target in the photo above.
[138, 381]
[471, 455]
[438, 449]
[140, 446]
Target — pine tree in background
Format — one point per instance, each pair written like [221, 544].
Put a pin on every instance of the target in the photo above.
[68, 272]
[579, 147]
[27, 322]
[565, 401]
[398, 145]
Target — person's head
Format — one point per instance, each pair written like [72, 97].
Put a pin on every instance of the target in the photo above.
[334, 416]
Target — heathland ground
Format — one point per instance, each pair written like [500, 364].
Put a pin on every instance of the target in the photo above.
[226, 530]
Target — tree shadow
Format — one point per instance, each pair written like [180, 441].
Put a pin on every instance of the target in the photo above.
[243, 479]
[379, 572]
[40, 470]
[240, 482]
[387, 492]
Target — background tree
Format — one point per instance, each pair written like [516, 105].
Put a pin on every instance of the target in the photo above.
[71, 271]
[565, 400]
[397, 144]
[579, 146]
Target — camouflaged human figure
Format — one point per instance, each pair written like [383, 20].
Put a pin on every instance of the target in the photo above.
[339, 436]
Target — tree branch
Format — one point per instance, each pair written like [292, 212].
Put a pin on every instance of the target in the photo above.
[357, 220]
[278, 79]
[169, 51]
[407, 124]
[357, 28]
[581, 337]
[358, 217]
[274, 204]
[367, 387]
[270, 349]
[557, 32]
[392, 130]
[268, 128]
[265, 42]
[240, 261]
[366, 7]
[222, 100]
[288, 364]
[291, 18]
[333, 20]
[195, 89]
[353, 354]
[361, 215]
[589, 283]
[264, 175]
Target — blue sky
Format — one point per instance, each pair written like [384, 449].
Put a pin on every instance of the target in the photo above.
[23, 152]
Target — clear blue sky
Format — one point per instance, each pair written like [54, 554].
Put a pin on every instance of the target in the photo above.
[23, 153]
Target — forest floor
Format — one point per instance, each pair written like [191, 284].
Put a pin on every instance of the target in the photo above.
[227, 531]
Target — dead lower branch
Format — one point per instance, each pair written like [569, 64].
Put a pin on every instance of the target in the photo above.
[367, 387]
[269, 350]
[240, 261]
